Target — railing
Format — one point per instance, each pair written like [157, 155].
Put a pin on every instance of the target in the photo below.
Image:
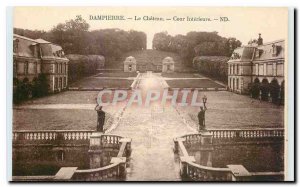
[198, 172]
[247, 133]
[50, 135]
[116, 170]
[237, 133]
[110, 172]
[193, 171]
[110, 139]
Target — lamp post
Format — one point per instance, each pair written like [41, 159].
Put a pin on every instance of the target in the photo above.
[204, 100]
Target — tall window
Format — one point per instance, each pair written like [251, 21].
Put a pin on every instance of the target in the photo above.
[256, 69]
[60, 83]
[35, 68]
[15, 68]
[15, 45]
[56, 83]
[26, 68]
[56, 68]
[65, 82]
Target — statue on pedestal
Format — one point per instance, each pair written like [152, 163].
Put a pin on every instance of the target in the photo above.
[100, 118]
[201, 115]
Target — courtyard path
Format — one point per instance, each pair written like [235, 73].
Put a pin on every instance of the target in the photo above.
[152, 130]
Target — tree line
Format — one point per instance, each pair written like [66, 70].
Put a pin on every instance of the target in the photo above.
[195, 44]
[75, 38]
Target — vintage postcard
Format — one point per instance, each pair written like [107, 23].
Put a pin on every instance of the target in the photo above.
[149, 94]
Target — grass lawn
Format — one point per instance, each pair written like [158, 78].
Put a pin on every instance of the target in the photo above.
[93, 82]
[56, 119]
[117, 74]
[229, 110]
[193, 83]
[181, 75]
[69, 110]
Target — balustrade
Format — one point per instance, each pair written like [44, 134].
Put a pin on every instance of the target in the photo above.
[196, 172]
[51, 135]
[237, 133]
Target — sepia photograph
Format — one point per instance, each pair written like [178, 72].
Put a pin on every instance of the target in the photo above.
[121, 94]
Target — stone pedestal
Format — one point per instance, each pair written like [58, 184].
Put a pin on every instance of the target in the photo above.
[95, 151]
[128, 146]
[206, 138]
[206, 148]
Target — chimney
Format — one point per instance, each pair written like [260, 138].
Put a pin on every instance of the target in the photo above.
[260, 40]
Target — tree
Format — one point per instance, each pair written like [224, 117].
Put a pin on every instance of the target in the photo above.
[40, 86]
[265, 90]
[254, 89]
[274, 91]
[71, 35]
[161, 41]
[195, 44]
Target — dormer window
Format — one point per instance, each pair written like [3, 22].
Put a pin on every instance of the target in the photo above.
[258, 53]
[235, 56]
[275, 49]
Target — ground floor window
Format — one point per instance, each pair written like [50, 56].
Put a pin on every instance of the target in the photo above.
[55, 83]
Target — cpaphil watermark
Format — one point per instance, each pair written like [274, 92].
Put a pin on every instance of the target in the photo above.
[176, 97]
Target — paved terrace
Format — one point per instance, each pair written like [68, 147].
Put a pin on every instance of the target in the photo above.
[152, 129]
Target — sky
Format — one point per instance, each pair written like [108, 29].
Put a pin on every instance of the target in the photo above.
[244, 23]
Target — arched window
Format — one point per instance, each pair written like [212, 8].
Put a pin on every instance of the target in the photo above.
[282, 93]
[274, 91]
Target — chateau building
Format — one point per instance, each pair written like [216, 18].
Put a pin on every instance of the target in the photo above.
[32, 57]
[261, 63]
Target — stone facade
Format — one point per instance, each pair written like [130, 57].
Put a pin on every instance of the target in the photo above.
[32, 57]
[168, 65]
[130, 64]
[259, 63]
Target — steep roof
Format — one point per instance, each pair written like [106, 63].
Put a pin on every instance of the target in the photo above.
[168, 60]
[244, 53]
[26, 48]
[130, 60]
[270, 51]
[41, 41]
